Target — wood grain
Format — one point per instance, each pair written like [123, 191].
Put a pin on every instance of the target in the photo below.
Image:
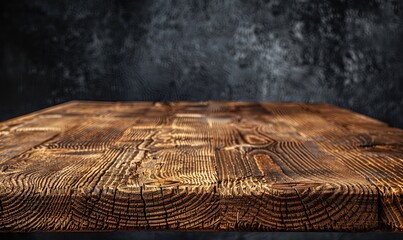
[91, 166]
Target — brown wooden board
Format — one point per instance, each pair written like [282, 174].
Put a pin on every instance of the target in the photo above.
[95, 166]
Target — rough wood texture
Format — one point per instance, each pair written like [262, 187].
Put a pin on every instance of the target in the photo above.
[86, 166]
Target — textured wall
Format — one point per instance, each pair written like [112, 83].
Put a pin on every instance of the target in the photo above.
[348, 53]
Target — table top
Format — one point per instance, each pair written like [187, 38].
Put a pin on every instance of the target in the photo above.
[213, 166]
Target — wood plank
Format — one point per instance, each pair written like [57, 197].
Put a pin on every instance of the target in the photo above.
[213, 166]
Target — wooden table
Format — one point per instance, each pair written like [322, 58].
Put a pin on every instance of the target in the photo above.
[88, 166]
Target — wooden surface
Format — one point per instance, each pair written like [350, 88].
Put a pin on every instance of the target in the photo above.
[86, 166]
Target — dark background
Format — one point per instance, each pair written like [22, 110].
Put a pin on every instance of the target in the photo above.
[348, 53]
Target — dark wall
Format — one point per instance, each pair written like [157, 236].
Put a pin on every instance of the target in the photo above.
[348, 53]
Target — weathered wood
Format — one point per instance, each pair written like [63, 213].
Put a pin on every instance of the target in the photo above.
[87, 166]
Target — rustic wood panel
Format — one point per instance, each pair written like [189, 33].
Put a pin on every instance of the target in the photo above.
[88, 166]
